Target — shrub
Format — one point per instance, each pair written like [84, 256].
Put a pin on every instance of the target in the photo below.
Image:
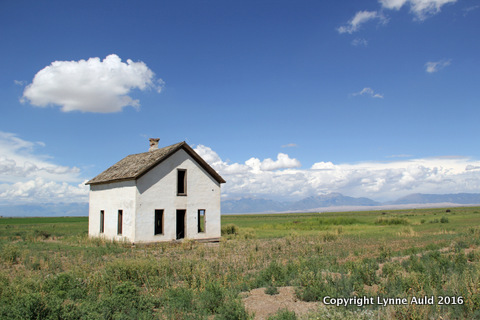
[315, 286]
[65, 286]
[233, 309]
[391, 221]
[10, 253]
[42, 234]
[329, 237]
[444, 220]
[273, 273]
[125, 302]
[213, 297]
[230, 229]
[283, 314]
[271, 290]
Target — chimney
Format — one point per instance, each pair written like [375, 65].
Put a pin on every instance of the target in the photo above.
[153, 144]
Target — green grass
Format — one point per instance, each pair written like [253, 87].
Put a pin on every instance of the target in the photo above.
[50, 269]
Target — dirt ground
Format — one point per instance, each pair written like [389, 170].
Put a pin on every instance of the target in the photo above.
[264, 305]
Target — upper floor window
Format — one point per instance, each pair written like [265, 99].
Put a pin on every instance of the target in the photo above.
[181, 182]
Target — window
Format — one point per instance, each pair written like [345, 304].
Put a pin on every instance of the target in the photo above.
[120, 221]
[181, 182]
[201, 220]
[102, 221]
[158, 222]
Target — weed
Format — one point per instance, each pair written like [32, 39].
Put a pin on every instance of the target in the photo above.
[10, 253]
[283, 314]
[271, 290]
[391, 221]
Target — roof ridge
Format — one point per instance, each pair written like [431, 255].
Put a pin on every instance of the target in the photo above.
[136, 165]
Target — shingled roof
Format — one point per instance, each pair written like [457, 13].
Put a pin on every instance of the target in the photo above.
[134, 166]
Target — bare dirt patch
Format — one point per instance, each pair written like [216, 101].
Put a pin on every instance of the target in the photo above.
[264, 305]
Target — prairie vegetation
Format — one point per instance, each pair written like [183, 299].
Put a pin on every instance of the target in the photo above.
[50, 269]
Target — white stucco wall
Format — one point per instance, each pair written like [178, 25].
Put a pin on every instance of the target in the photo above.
[157, 189]
[110, 198]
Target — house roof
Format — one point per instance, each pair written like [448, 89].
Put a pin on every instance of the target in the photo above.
[134, 166]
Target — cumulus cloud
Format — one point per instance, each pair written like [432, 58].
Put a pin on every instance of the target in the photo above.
[359, 19]
[41, 190]
[421, 8]
[434, 66]
[377, 180]
[91, 85]
[368, 92]
[26, 175]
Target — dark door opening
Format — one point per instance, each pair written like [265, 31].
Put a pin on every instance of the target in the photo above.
[181, 224]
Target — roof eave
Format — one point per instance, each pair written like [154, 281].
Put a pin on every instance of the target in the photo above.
[109, 181]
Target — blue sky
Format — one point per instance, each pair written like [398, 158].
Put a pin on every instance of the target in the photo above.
[286, 99]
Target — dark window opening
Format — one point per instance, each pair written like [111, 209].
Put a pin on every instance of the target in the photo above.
[180, 224]
[120, 221]
[201, 220]
[102, 221]
[181, 182]
[158, 222]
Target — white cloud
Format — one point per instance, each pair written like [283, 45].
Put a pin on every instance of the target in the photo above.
[421, 8]
[28, 176]
[289, 145]
[368, 92]
[470, 9]
[283, 162]
[360, 18]
[434, 66]
[357, 42]
[41, 190]
[91, 85]
[377, 180]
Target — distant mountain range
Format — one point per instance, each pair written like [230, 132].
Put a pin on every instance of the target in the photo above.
[256, 205]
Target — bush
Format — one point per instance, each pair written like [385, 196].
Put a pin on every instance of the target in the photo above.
[65, 286]
[271, 290]
[10, 253]
[42, 234]
[273, 273]
[233, 310]
[213, 297]
[391, 221]
[283, 314]
[125, 302]
[444, 220]
[230, 229]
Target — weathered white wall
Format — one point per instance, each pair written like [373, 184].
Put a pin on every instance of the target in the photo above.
[157, 189]
[112, 197]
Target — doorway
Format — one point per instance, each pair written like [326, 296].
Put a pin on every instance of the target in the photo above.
[181, 224]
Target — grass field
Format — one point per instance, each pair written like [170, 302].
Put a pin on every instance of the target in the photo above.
[50, 269]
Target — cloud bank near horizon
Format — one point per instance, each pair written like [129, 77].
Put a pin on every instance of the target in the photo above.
[381, 181]
[29, 177]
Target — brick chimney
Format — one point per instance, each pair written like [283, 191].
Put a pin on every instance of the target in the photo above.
[153, 144]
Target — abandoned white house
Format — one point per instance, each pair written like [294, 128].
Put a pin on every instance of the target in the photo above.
[160, 195]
